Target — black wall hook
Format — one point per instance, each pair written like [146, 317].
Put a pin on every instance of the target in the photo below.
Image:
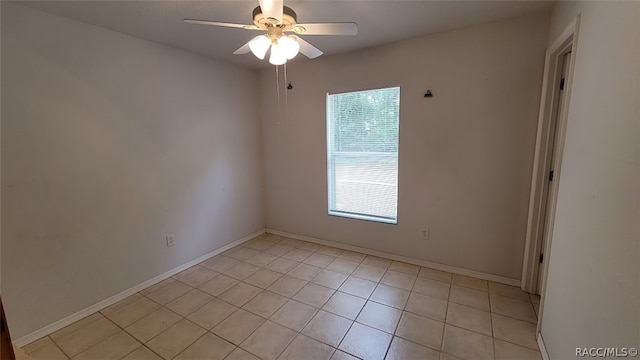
[289, 86]
[428, 94]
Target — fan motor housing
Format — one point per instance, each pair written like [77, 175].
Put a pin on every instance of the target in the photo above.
[289, 19]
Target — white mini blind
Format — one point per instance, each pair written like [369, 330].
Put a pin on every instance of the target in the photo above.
[362, 154]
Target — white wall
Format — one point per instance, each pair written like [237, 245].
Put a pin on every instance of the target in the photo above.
[592, 295]
[108, 144]
[465, 155]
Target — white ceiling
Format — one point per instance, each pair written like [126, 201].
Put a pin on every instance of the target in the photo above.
[379, 22]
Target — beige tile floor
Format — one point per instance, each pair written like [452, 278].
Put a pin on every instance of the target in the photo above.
[279, 298]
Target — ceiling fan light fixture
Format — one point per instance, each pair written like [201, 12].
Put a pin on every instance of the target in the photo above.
[259, 46]
[289, 46]
[278, 55]
[276, 19]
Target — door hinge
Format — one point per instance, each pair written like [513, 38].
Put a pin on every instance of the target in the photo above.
[561, 84]
[541, 258]
[551, 175]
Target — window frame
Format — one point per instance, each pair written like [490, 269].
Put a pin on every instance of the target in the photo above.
[331, 185]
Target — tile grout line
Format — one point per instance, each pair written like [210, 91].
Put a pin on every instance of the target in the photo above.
[248, 336]
[188, 346]
[58, 346]
[355, 318]
[493, 338]
[507, 341]
[365, 304]
[144, 344]
[289, 343]
[268, 319]
[138, 347]
[393, 335]
[73, 332]
[446, 316]
[121, 329]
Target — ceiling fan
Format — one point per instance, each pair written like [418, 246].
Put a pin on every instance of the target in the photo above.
[279, 22]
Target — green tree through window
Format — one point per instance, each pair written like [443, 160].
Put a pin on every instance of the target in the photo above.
[367, 120]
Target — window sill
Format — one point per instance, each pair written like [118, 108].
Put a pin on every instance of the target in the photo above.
[364, 217]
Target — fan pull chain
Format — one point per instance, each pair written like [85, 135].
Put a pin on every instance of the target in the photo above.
[278, 92]
[286, 95]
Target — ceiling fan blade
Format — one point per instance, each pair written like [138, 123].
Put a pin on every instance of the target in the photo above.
[244, 49]
[224, 24]
[272, 9]
[326, 29]
[307, 49]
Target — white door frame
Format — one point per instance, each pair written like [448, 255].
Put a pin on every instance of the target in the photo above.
[544, 193]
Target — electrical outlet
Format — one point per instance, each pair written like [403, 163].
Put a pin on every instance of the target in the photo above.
[425, 233]
[171, 240]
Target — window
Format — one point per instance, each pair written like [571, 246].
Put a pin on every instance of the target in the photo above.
[362, 154]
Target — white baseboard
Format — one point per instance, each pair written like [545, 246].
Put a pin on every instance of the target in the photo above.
[429, 264]
[542, 347]
[51, 328]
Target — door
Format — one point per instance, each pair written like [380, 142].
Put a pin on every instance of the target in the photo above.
[553, 171]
